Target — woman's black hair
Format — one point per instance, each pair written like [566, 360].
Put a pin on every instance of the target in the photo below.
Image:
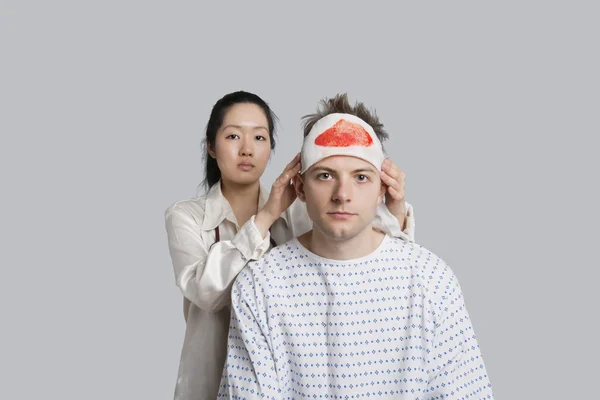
[217, 115]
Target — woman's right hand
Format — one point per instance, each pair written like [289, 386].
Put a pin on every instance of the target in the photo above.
[281, 197]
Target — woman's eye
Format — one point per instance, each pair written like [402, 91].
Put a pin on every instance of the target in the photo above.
[233, 136]
[261, 138]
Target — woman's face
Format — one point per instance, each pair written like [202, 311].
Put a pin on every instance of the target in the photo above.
[242, 145]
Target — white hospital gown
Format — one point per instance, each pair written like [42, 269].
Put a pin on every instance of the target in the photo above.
[205, 270]
[390, 325]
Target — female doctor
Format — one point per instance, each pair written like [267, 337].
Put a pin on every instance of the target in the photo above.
[212, 237]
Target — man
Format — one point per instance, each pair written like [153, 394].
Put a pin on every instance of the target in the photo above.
[344, 311]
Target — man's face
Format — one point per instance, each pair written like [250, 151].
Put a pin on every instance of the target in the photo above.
[341, 195]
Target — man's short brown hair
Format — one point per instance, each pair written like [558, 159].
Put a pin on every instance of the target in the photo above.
[341, 104]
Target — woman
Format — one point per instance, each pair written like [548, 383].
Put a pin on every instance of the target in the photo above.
[213, 236]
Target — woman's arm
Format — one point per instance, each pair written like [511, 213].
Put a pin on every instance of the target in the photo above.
[205, 274]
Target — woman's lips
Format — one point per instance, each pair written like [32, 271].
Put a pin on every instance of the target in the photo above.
[245, 167]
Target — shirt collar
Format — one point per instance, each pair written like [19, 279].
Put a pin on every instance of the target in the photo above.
[217, 208]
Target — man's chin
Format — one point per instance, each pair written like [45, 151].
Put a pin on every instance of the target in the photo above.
[339, 234]
[341, 231]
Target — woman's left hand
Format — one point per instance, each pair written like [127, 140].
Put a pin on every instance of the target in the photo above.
[393, 179]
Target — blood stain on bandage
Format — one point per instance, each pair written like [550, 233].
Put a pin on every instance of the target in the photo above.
[343, 134]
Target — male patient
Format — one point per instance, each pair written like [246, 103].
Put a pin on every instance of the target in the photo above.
[344, 311]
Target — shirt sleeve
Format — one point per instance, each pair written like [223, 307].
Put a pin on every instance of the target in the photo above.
[205, 274]
[386, 222]
[454, 362]
[250, 370]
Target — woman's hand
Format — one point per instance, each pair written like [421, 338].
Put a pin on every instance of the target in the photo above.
[281, 197]
[393, 178]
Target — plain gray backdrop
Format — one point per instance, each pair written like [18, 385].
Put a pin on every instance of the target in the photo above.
[493, 110]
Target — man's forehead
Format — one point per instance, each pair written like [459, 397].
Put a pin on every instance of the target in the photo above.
[342, 163]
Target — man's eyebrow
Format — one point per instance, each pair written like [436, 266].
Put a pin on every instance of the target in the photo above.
[371, 170]
[324, 169]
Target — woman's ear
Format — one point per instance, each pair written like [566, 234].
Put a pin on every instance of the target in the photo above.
[298, 181]
[211, 151]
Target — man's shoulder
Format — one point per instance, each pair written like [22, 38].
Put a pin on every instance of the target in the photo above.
[436, 278]
[419, 258]
[258, 279]
[268, 267]
[408, 249]
[249, 279]
[275, 257]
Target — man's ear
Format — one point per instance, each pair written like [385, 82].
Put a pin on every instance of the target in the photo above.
[382, 191]
[298, 181]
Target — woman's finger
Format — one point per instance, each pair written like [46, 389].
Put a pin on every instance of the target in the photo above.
[390, 181]
[292, 172]
[395, 193]
[294, 161]
[392, 169]
[288, 174]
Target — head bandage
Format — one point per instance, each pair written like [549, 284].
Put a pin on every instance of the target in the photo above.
[341, 135]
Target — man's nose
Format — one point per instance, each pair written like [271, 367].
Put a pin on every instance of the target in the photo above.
[343, 191]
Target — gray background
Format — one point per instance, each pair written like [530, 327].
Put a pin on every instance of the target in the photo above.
[492, 107]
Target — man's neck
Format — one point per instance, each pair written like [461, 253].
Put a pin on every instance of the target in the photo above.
[359, 246]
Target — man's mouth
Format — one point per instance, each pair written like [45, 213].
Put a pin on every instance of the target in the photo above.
[341, 214]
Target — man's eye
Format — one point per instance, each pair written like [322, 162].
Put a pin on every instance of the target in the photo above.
[362, 178]
[324, 175]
